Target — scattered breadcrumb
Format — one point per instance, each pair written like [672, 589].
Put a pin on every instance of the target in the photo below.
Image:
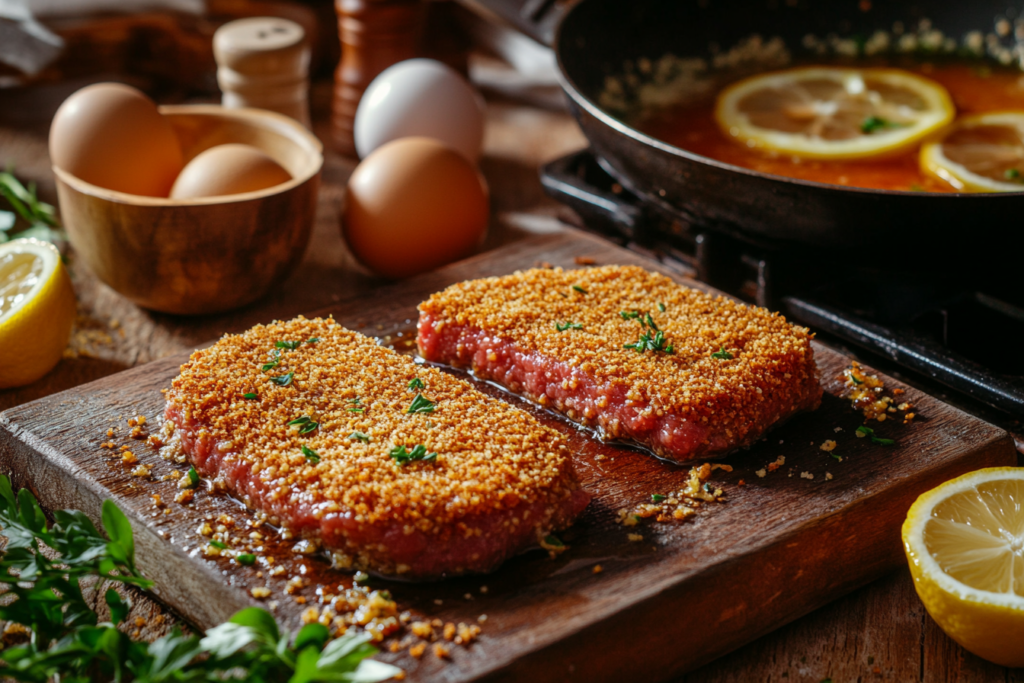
[635, 537]
[441, 651]
[761, 473]
[260, 592]
[597, 569]
[828, 475]
[143, 470]
[185, 497]
[865, 394]
[418, 650]
[806, 475]
[828, 446]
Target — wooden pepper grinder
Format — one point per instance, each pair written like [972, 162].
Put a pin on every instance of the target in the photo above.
[374, 35]
[263, 62]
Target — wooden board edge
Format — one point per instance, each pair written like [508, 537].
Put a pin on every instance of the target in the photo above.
[667, 640]
[43, 464]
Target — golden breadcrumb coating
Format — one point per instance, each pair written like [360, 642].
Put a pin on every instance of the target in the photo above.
[489, 454]
[718, 362]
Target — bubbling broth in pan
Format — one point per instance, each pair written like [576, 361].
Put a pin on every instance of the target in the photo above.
[974, 89]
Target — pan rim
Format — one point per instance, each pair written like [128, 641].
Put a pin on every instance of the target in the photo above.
[575, 93]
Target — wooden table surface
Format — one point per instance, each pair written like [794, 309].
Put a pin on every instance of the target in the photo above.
[880, 632]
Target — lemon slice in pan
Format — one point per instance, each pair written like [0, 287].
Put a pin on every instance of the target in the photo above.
[965, 543]
[982, 153]
[833, 113]
[37, 310]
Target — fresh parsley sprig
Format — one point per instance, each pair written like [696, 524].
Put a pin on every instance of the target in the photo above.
[863, 431]
[69, 643]
[649, 342]
[722, 354]
[568, 325]
[39, 216]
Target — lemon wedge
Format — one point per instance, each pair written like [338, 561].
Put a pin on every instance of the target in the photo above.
[965, 543]
[37, 310]
[833, 113]
[981, 153]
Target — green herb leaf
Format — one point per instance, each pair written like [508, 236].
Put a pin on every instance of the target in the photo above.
[707, 487]
[853, 377]
[570, 325]
[658, 498]
[580, 289]
[554, 541]
[272, 364]
[661, 307]
[419, 452]
[306, 424]
[283, 380]
[313, 340]
[865, 431]
[875, 123]
[251, 396]
[247, 559]
[647, 342]
[291, 345]
[722, 354]
[421, 404]
[360, 577]
[1013, 174]
[883, 442]
[218, 544]
[629, 315]
[649, 321]
[119, 607]
[359, 436]
[416, 383]
[193, 477]
[310, 454]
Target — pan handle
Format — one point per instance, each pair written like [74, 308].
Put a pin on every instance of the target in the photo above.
[535, 18]
[567, 180]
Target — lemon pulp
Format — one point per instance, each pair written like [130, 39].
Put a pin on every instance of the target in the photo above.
[982, 153]
[19, 274]
[977, 536]
[832, 112]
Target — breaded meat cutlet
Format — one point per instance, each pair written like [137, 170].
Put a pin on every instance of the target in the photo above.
[630, 352]
[396, 468]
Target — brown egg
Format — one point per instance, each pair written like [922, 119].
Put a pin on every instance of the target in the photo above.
[228, 169]
[112, 135]
[413, 205]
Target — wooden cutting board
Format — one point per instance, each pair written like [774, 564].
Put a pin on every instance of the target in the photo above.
[688, 592]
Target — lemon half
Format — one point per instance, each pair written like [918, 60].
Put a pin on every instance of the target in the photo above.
[832, 112]
[37, 310]
[981, 153]
[965, 543]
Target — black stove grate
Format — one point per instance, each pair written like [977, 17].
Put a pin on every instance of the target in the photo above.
[964, 332]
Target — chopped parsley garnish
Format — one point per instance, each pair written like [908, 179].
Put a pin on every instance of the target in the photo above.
[658, 498]
[360, 577]
[283, 380]
[357, 408]
[722, 354]
[251, 396]
[650, 323]
[291, 345]
[868, 431]
[313, 340]
[580, 289]
[875, 123]
[853, 377]
[629, 315]
[359, 436]
[651, 343]
[193, 477]
[416, 383]
[218, 544]
[420, 404]
[403, 456]
[247, 559]
[661, 307]
[553, 541]
[1012, 174]
[306, 424]
[310, 454]
[272, 364]
[570, 325]
[837, 457]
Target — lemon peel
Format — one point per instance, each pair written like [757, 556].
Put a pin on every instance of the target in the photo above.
[832, 112]
[964, 541]
[37, 310]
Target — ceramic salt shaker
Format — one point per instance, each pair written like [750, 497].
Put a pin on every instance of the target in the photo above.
[263, 62]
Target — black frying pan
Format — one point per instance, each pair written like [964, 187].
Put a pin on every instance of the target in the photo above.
[594, 38]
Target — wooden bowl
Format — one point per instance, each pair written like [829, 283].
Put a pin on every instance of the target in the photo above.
[209, 254]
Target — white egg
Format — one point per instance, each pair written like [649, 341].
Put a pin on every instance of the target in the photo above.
[422, 98]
